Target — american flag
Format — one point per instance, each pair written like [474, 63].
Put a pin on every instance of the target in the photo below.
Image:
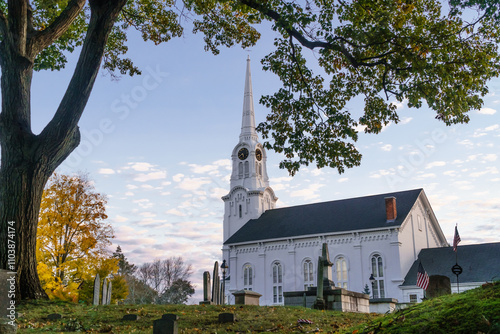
[422, 277]
[456, 239]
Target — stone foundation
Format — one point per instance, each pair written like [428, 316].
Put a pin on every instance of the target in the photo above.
[335, 299]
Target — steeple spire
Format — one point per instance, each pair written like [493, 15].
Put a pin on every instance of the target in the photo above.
[248, 122]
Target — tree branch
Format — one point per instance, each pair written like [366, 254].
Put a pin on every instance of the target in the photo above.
[63, 126]
[41, 39]
[3, 25]
[18, 24]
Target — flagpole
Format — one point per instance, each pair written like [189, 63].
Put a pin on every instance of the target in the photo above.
[456, 269]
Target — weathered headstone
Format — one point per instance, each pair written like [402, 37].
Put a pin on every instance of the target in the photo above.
[165, 326]
[170, 316]
[438, 286]
[97, 290]
[104, 291]
[217, 290]
[215, 283]
[227, 317]
[320, 301]
[327, 265]
[130, 317]
[54, 316]
[108, 296]
[7, 302]
[207, 289]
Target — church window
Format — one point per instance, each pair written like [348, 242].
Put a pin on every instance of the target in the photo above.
[260, 169]
[378, 274]
[240, 211]
[240, 170]
[308, 274]
[341, 269]
[247, 277]
[277, 283]
[419, 222]
[247, 168]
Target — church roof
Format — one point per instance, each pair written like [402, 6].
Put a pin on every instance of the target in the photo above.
[361, 213]
[480, 263]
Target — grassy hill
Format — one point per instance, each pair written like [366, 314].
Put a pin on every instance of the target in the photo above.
[474, 311]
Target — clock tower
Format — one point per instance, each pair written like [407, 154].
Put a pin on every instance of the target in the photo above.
[250, 194]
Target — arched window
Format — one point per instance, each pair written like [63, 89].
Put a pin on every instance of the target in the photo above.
[308, 274]
[341, 269]
[247, 277]
[378, 274]
[240, 170]
[240, 211]
[277, 283]
[247, 169]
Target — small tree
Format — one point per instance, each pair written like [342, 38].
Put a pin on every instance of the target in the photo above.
[72, 236]
[161, 276]
[178, 293]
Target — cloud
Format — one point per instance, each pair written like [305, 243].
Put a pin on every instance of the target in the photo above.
[406, 120]
[144, 177]
[143, 203]
[492, 127]
[140, 166]
[342, 180]
[387, 148]
[380, 173]
[120, 219]
[106, 171]
[489, 170]
[435, 164]
[309, 193]
[487, 111]
[490, 157]
[176, 212]
[194, 183]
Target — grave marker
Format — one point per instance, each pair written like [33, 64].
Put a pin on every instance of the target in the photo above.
[97, 290]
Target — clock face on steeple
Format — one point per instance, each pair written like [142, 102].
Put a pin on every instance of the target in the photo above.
[258, 154]
[243, 153]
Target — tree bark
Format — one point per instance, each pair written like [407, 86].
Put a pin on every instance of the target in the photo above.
[29, 160]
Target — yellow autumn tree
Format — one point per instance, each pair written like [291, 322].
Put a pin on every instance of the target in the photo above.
[72, 236]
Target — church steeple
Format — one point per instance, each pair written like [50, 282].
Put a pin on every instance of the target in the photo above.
[248, 120]
[249, 193]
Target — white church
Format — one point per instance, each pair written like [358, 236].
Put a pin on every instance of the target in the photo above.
[273, 250]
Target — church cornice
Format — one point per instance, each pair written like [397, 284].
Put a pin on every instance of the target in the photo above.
[331, 238]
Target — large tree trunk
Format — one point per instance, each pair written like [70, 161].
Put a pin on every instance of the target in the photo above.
[29, 160]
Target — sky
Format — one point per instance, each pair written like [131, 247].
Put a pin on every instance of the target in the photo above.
[159, 146]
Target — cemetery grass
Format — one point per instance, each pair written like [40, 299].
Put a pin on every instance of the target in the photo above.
[474, 311]
[192, 318]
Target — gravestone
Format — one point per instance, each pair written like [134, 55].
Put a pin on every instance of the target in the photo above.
[438, 286]
[327, 268]
[324, 278]
[320, 301]
[104, 291]
[108, 295]
[227, 317]
[165, 326]
[207, 289]
[170, 316]
[54, 316]
[7, 301]
[130, 317]
[97, 290]
[215, 283]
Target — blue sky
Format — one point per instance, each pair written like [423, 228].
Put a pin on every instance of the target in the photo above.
[159, 146]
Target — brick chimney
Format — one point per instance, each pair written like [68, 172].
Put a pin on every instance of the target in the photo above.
[390, 209]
